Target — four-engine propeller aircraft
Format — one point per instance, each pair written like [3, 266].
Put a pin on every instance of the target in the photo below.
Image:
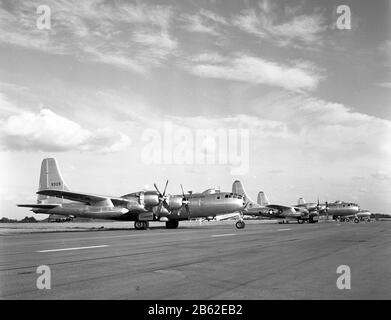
[344, 211]
[274, 211]
[55, 197]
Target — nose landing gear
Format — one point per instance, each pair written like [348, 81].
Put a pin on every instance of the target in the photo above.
[240, 224]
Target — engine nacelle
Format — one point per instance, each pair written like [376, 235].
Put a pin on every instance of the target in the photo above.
[149, 198]
[175, 202]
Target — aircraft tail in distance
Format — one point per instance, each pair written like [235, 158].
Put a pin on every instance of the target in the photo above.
[262, 199]
[301, 201]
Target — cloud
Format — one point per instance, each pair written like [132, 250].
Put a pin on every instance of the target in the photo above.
[213, 16]
[209, 57]
[330, 130]
[196, 23]
[381, 175]
[48, 131]
[299, 77]
[298, 30]
[386, 85]
[99, 31]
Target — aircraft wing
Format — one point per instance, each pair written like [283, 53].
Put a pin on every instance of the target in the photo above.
[260, 211]
[39, 205]
[280, 207]
[80, 197]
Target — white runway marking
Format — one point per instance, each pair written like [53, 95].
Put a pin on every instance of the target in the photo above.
[283, 229]
[223, 235]
[69, 249]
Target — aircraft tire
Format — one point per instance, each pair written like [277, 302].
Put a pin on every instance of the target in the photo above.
[356, 220]
[141, 225]
[240, 224]
[300, 221]
[173, 224]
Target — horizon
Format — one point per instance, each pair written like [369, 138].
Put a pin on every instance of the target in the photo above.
[200, 93]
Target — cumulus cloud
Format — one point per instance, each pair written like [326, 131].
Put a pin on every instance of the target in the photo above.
[298, 77]
[48, 131]
[330, 130]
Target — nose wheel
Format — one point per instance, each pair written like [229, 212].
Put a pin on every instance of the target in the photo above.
[240, 224]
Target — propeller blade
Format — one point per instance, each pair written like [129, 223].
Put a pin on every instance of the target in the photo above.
[165, 188]
[162, 199]
[245, 206]
[157, 189]
[159, 209]
[185, 203]
[165, 205]
[183, 193]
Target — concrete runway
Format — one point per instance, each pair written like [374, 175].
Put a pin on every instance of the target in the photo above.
[208, 261]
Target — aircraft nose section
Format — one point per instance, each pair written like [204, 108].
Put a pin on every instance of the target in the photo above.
[239, 204]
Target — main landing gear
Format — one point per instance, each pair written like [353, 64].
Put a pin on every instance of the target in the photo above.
[240, 224]
[141, 225]
[172, 224]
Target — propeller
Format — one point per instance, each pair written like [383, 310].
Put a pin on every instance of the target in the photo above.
[162, 199]
[318, 205]
[185, 203]
[327, 210]
[244, 209]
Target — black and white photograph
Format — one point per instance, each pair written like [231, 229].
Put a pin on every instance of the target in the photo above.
[204, 151]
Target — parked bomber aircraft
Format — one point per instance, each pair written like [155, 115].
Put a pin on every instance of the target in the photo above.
[311, 206]
[339, 210]
[344, 211]
[55, 197]
[274, 211]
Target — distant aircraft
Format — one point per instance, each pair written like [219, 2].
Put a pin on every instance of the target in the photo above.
[344, 211]
[60, 218]
[55, 197]
[273, 211]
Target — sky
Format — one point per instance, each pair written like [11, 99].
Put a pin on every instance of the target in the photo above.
[128, 93]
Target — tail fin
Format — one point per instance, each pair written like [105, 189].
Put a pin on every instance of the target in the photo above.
[262, 199]
[237, 188]
[301, 201]
[50, 178]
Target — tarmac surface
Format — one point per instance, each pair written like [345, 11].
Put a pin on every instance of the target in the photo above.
[200, 261]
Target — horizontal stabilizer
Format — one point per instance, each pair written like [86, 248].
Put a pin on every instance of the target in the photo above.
[90, 199]
[73, 196]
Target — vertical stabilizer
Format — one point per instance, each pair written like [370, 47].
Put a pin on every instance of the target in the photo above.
[237, 188]
[262, 199]
[50, 178]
